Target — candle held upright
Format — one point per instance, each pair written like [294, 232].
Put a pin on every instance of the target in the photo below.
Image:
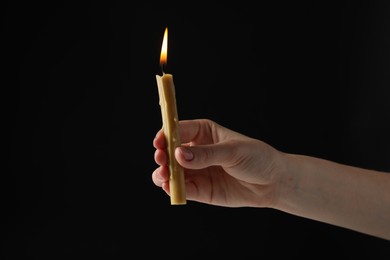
[170, 121]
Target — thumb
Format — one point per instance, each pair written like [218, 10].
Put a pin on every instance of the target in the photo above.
[198, 157]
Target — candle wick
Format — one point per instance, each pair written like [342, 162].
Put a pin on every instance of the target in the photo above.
[162, 66]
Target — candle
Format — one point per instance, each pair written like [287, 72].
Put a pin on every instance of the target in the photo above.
[170, 121]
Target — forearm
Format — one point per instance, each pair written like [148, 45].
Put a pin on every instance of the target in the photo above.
[337, 194]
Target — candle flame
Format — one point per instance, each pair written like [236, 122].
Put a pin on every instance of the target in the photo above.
[164, 49]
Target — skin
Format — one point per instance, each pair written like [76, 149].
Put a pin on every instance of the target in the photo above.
[225, 168]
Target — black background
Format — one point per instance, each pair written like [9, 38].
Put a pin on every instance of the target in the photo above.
[81, 110]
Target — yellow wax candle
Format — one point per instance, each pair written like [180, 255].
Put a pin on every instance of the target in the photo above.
[167, 96]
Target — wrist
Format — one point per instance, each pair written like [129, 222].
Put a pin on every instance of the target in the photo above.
[288, 181]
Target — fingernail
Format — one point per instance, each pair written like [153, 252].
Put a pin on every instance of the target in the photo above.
[187, 153]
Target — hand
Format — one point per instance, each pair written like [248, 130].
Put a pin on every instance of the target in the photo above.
[221, 167]
[225, 168]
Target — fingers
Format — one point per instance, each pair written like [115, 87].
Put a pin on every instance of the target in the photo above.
[198, 131]
[160, 157]
[159, 140]
[195, 131]
[160, 176]
[204, 131]
[198, 157]
[207, 138]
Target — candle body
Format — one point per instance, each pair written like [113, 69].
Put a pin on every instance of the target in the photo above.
[167, 96]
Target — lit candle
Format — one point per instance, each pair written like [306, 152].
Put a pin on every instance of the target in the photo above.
[170, 121]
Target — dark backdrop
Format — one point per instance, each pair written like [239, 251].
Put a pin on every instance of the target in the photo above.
[81, 110]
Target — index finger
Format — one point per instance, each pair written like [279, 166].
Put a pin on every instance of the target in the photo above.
[197, 131]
